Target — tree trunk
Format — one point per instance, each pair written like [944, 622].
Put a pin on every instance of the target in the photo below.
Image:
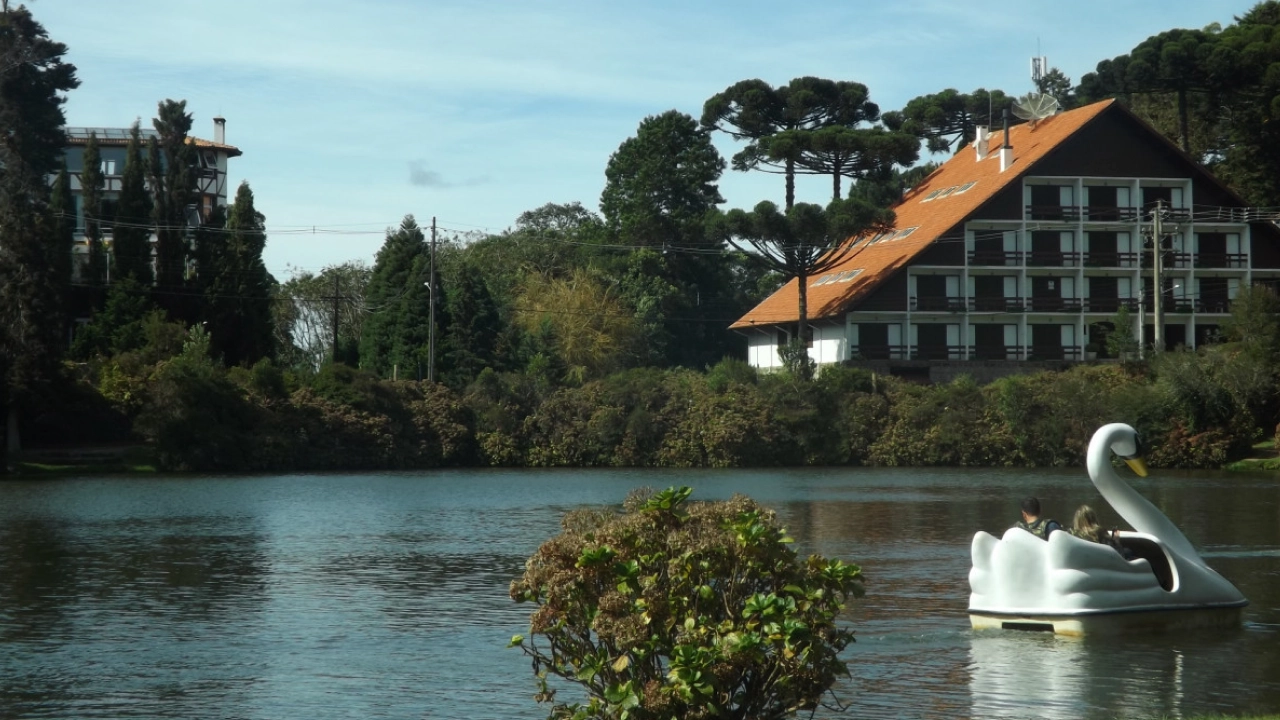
[802, 332]
[835, 185]
[791, 183]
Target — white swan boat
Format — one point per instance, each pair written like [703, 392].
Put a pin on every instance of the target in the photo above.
[1075, 587]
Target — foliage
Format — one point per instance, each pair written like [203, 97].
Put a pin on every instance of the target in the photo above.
[237, 286]
[948, 120]
[690, 610]
[92, 184]
[660, 183]
[803, 242]
[782, 126]
[131, 235]
[591, 331]
[304, 314]
[397, 332]
[120, 326]
[33, 77]
[195, 416]
[1255, 322]
[171, 171]
[1122, 341]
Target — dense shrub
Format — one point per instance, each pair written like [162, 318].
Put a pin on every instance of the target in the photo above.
[675, 610]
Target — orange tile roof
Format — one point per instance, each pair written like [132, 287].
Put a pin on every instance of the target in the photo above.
[123, 140]
[931, 219]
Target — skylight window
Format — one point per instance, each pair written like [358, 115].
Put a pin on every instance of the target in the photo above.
[829, 277]
[907, 231]
[965, 187]
[848, 275]
[931, 196]
[947, 191]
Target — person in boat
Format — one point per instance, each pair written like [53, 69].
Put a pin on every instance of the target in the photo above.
[1033, 523]
[1085, 525]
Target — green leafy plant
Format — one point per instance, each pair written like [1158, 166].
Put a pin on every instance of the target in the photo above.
[674, 608]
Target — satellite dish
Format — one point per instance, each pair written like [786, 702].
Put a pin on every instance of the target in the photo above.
[1034, 107]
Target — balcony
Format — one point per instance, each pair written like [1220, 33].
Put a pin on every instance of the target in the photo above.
[938, 352]
[1054, 258]
[1111, 259]
[1098, 213]
[880, 352]
[1233, 261]
[1054, 304]
[1061, 213]
[1213, 305]
[1110, 305]
[998, 258]
[1053, 352]
[996, 304]
[938, 304]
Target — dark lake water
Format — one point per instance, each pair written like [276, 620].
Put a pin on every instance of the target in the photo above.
[385, 595]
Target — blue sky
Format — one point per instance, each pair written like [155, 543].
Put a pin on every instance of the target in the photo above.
[352, 115]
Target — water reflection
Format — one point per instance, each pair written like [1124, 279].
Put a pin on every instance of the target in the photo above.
[385, 596]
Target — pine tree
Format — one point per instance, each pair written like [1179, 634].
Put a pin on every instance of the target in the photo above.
[32, 135]
[131, 237]
[172, 171]
[390, 299]
[238, 287]
[92, 184]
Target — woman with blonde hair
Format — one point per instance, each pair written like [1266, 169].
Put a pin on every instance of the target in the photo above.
[1085, 525]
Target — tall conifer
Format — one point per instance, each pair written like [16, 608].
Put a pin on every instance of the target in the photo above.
[92, 184]
[131, 237]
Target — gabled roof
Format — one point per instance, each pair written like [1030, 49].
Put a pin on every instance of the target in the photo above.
[119, 137]
[974, 182]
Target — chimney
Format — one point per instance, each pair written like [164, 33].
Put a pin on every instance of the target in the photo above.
[981, 141]
[220, 130]
[1006, 152]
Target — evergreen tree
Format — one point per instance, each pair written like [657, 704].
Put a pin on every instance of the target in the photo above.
[397, 267]
[62, 205]
[172, 171]
[236, 283]
[92, 183]
[474, 328]
[803, 242]
[32, 136]
[947, 120]
[131, 237]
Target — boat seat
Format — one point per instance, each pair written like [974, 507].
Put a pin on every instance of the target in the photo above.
[1154, 555]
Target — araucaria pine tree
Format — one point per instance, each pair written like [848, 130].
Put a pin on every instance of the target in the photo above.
[92, 184]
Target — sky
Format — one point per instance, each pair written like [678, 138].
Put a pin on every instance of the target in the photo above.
[352, 115]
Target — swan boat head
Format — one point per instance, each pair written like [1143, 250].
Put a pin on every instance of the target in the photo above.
[1067, 583]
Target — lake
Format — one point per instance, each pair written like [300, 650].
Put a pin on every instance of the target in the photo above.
[384, 595]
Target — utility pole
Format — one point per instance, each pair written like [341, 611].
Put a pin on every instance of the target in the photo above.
[1157, 237]
[431, 288]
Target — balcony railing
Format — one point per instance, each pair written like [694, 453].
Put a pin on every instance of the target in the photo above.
[1054, 258]
[996, 304]
[1109, 305]
[1063, 213]
[1222, 260]
[1111, 259]
[1054, 304]
[927, 351]
[1213, 305]
[880, 352]
[938, 303]
[1099, 213]
[995, 257]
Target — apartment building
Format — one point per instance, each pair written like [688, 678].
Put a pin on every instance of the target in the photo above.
[1022, 248]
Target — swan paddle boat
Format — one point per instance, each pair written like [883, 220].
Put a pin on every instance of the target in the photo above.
[1071, 586]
